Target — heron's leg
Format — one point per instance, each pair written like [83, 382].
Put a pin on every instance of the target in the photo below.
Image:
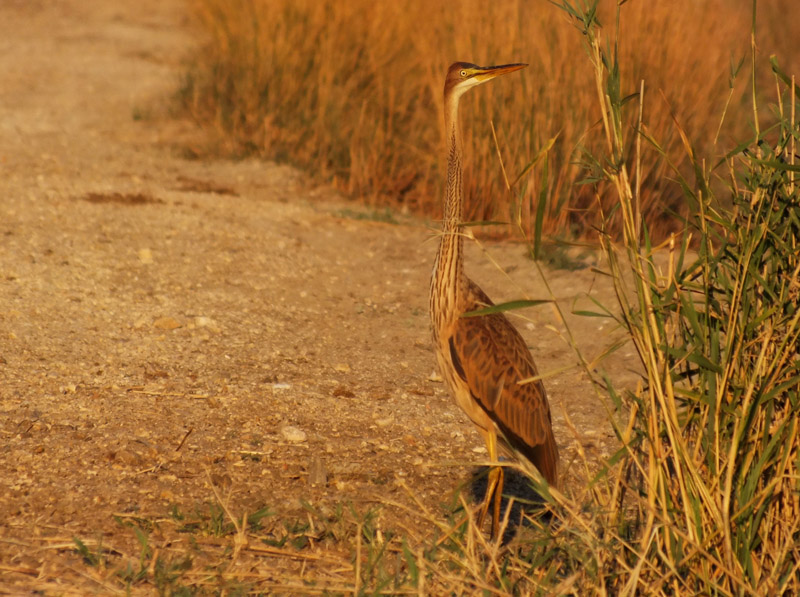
[494, 485]
[498, 499]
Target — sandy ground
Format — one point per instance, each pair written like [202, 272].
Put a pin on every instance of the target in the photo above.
[167, 324]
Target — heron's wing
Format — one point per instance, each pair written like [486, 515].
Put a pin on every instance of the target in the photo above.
[492, 357]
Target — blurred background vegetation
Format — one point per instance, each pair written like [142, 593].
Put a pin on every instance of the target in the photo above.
[351, 92]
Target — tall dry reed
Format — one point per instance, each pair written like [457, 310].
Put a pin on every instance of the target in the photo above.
[705, 499]
[351, 91]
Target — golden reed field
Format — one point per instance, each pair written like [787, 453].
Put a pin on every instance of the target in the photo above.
[351, 91]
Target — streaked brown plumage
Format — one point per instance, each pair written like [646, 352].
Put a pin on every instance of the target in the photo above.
[483, 358]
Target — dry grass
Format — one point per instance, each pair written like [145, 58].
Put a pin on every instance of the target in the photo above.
[351, 91]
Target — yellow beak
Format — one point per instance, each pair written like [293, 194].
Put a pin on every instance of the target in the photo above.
[485, 73]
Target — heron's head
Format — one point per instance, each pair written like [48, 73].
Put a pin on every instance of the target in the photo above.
[463, 75]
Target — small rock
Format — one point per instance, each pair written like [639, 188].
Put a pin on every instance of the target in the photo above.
[206, 322]
[166, 323]
[385, 422]
[316, 472]
[293, 434]
[146, 256]
[435, 377]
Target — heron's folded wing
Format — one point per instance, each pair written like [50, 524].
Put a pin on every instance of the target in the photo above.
[492, 357]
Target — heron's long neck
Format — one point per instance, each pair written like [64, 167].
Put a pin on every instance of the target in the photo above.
[448, 277]
[453, 202]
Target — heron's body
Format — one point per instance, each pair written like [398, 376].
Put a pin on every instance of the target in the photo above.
[482, 359]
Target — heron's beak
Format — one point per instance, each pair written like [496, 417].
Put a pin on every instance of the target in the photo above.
[487, 73]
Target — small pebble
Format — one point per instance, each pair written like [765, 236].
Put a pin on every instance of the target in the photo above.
[293, 434]
[166, 323]
[206, 322]
[316, 472]
[386, 421]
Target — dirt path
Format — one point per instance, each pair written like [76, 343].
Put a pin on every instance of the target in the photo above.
[166, 324]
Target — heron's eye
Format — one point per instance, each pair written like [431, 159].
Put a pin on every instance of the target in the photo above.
[463, 73]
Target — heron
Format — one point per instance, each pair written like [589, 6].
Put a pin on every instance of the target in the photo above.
[483, 359]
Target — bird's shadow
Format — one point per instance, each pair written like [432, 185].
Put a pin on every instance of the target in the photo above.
[517, 491]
